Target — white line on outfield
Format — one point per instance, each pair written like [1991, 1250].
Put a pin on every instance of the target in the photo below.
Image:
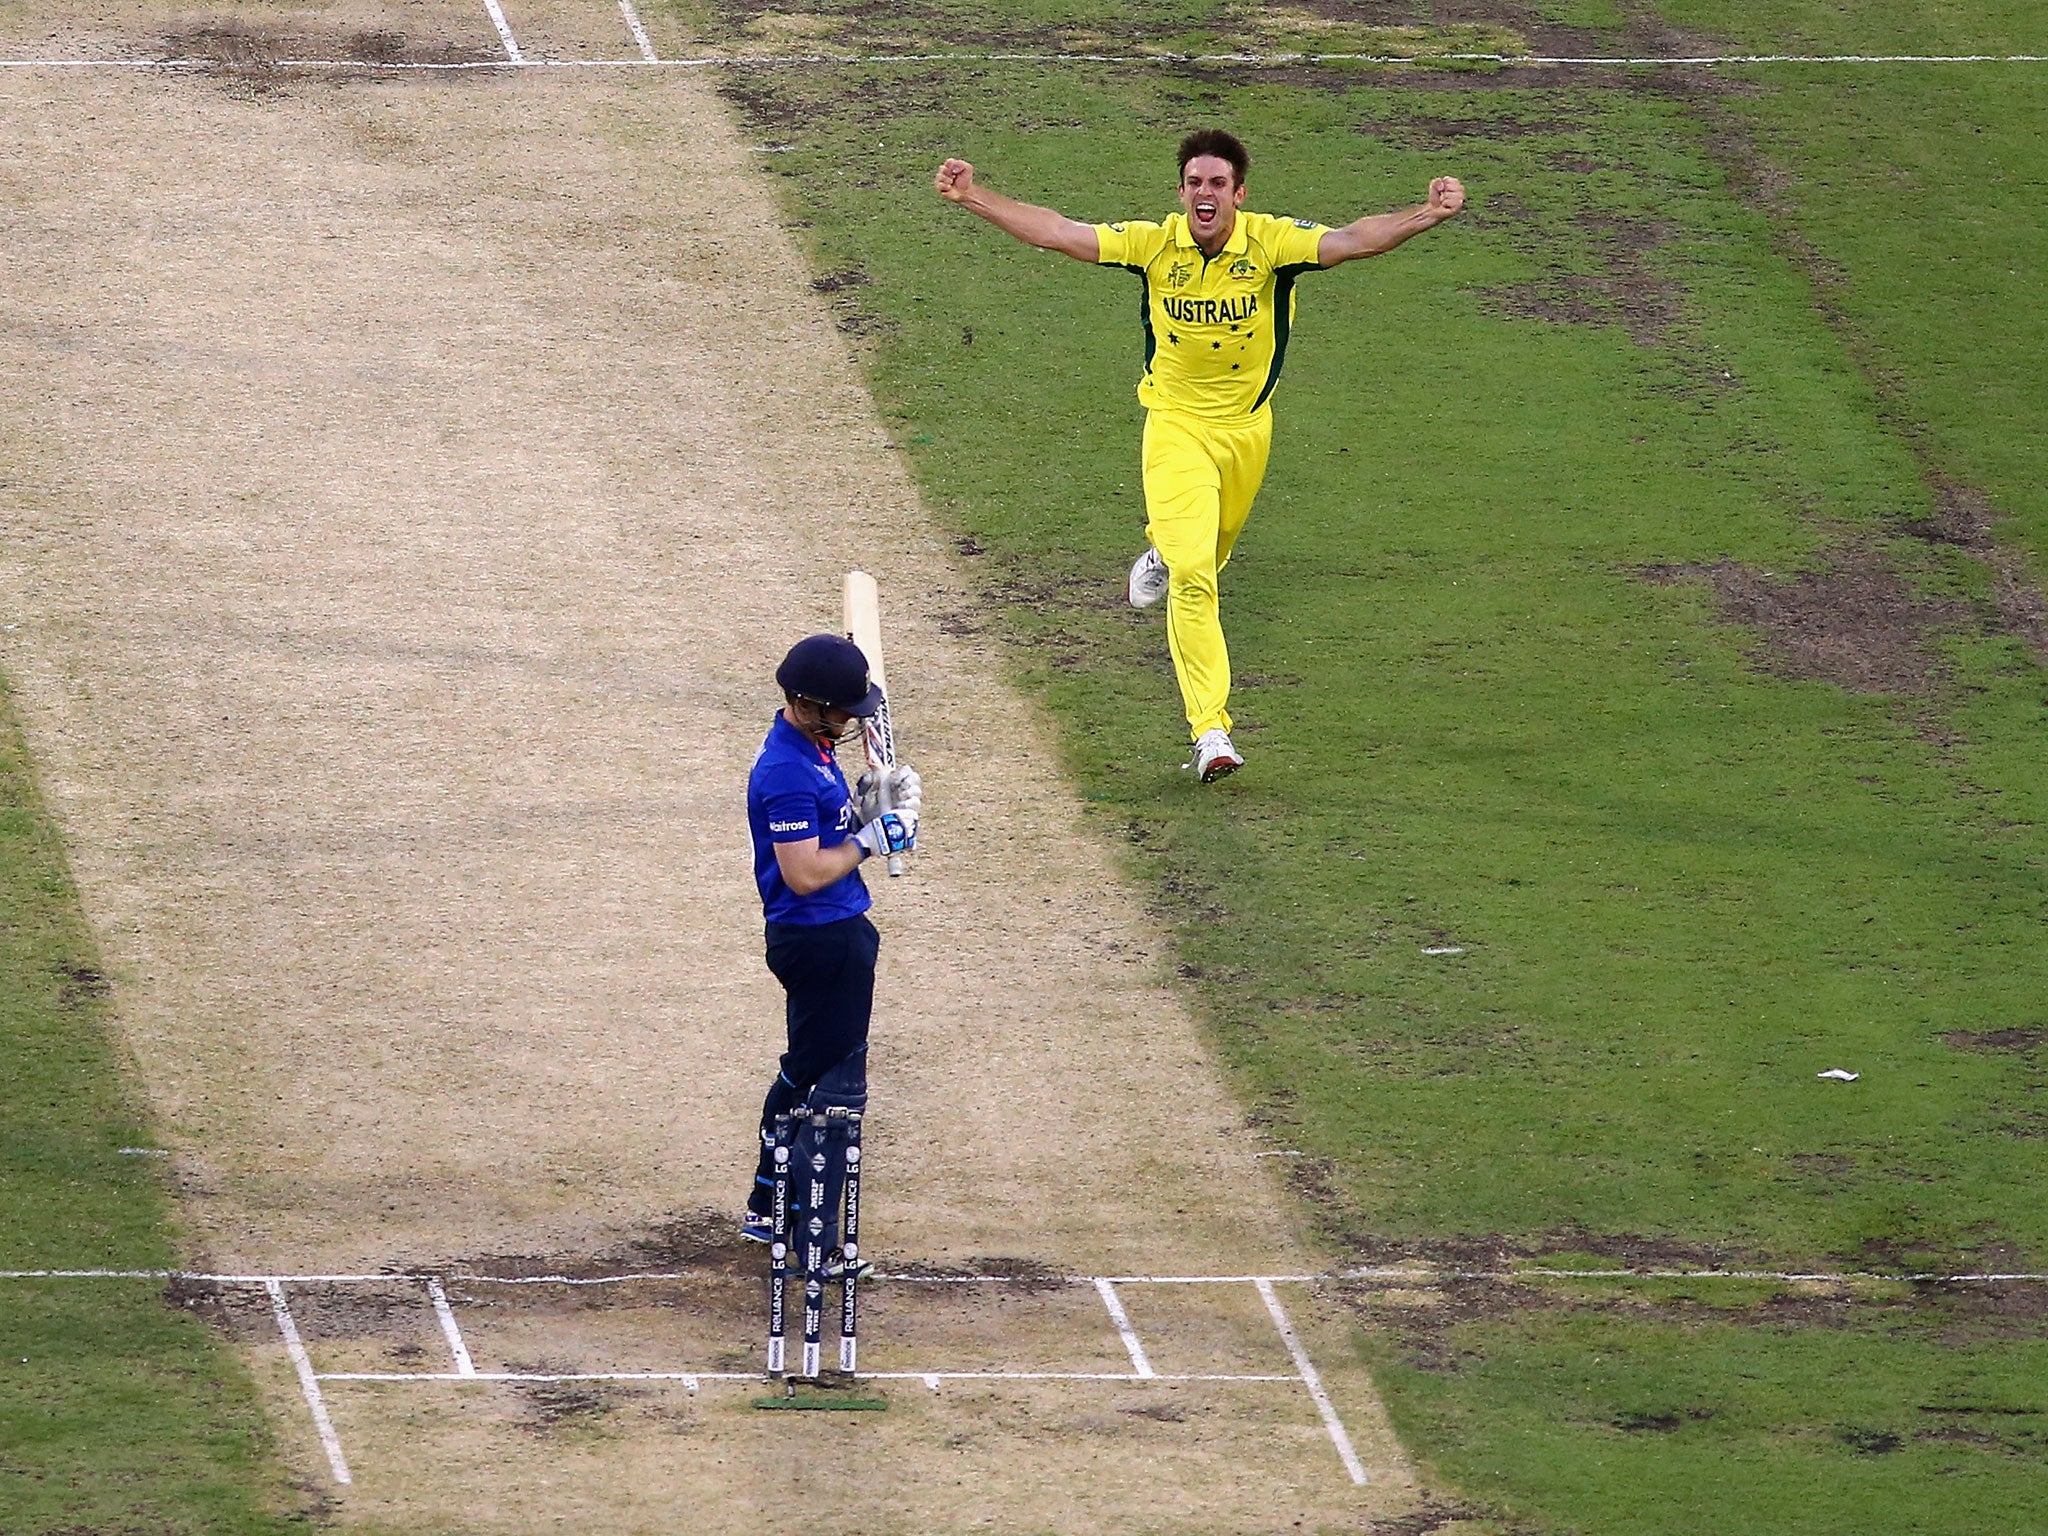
[1107, 1291]
[512, 53]
[1313, 1382]
[639, 32]
[309, 1384]
[516, 60]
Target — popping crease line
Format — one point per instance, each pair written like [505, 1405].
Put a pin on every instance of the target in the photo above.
[515, 59]
[755, 1376]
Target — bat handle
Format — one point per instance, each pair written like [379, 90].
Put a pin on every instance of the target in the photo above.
[888, 803]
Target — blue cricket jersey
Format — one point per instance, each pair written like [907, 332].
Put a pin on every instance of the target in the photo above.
[796, 791]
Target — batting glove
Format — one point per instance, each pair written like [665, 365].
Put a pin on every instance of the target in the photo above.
[906, 792]
[890, 832]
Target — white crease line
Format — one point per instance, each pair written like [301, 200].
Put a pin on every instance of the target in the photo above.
[1312, 1381]
[512, 53]
[1061, 1376]
[516, 60]
[689, 1379]
[1846, 1277]
[309, 1383]
[1208, 1279]
[677, 1274]
[639, 32]
[1107, 1291]
[457, 1350]
[929, 1378]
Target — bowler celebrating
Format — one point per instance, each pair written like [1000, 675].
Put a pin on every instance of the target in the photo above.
[1218, 305]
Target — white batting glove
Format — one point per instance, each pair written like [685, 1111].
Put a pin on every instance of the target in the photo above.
[890, 832]
[906, 789]
[906, 792]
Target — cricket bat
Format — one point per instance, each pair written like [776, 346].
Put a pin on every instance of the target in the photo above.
[864, 629]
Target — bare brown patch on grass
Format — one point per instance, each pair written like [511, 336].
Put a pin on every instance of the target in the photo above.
[1853, 622]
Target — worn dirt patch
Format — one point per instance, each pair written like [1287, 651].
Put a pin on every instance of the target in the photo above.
[242, 45]
[1854, 622]
[1625, 289]
[2019, 1041]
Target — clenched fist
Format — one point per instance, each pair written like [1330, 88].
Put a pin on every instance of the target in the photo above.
[1446, 195]
[955, 181]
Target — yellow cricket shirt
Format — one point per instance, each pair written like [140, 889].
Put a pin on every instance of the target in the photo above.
[1215, 327]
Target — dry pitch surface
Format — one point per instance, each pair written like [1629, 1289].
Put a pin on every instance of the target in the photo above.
[410, 481]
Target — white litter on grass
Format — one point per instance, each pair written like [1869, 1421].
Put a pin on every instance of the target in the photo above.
[1443, 949]
[1836, 1074]
[142, 1152]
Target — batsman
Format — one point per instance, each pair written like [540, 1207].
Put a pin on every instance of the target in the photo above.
[1217, 307]
[811, 835]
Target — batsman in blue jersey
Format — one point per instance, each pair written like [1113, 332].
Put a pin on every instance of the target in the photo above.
[811, 835]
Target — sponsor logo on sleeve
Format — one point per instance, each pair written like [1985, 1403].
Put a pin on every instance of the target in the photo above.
[1304, 223]
[790, 826]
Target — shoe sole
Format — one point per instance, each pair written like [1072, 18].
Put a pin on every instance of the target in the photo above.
[1222, 768]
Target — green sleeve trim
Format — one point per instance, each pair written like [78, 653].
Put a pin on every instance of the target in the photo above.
[1145, 311]
[1283, 320]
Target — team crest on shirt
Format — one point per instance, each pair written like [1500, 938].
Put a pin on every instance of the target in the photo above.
[1178, 274]
[1244, 267]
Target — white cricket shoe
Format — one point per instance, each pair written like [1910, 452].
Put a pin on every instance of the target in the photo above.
[1215, 756]
[1148, 579]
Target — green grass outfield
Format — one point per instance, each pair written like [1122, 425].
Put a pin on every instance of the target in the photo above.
[117, 1414]
[1753, 324]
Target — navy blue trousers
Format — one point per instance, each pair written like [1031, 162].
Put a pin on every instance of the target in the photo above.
[827, 972]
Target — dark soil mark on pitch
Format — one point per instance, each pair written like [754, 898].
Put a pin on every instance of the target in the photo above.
[706, 1243]
[1020, 1277]
[556, 1405]
[398, 1312]
[1434, 1514]
[1854, 622]
[257, 59]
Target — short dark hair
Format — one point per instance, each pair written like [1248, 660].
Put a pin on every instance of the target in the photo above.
[1221, 144]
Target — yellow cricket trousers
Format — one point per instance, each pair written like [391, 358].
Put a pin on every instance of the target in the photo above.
[1200, 478]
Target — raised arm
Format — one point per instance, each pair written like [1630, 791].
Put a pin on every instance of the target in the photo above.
[1380, 232]
[1042, 227]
